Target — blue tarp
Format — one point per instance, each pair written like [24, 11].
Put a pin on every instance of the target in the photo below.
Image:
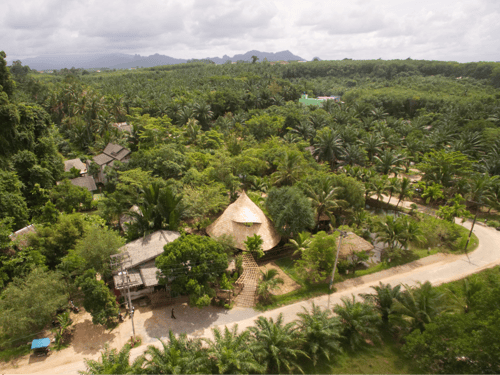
[40, 343]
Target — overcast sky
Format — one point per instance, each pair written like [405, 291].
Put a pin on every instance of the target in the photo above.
[458, 30]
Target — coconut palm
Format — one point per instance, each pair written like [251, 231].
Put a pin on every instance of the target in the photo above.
[321, 332]
[392, 187]
[359, 322]
[268, 283]
[301, 242]
[384, 298]
[179, 356]
[404, 190]
[277, 345]
[420, 304]
[113, 362]
[229, 353]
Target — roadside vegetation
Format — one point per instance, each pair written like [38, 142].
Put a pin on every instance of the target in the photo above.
[199, 134]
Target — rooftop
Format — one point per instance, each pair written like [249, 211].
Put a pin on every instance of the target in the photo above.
[87, 182]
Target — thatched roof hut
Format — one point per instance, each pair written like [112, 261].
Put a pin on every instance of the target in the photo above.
[244, 219]
[353, 242]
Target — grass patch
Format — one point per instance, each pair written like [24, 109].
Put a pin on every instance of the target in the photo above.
[306, 292]
[11, 353]
[309, 290]
[382, 358]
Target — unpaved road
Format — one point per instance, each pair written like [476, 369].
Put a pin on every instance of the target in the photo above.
[89, 340]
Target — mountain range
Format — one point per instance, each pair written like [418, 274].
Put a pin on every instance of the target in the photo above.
[124, 61]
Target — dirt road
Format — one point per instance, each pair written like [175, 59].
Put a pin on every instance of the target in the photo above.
[151, 324]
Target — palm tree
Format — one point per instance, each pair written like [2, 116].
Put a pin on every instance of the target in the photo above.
[404, 190]
[420, 304]
[328, 146]
[229, 353]
[324, 199]
[388, 232]
[359, 321]
[301, 242]
[388, 162]
[354, 154]
[113, 362]
[179, 356]
[384, 298]
[289, 169]
[268, 283]
[393, 186]
[373, 144]
[380, 186]
[277, 344]
[202, 113]
[321, 333]
[470, 286]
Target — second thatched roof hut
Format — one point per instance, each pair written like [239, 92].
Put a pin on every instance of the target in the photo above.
[244, 219]
[353, 242]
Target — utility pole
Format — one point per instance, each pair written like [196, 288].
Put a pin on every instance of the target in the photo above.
[342, 235]
[120, 260]
[470, 234]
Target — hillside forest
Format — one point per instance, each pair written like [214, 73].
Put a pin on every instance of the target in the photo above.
[201, 133]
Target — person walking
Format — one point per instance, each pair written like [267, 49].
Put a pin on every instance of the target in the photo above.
[173, 316]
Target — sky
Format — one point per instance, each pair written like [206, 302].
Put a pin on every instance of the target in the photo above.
[451, 30]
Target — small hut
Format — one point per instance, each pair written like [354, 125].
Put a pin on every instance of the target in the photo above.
[244, 219]
[353, 242]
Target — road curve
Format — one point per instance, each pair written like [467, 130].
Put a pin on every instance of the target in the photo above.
[446, 269]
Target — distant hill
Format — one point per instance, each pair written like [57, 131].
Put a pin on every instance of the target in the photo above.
[124, 61]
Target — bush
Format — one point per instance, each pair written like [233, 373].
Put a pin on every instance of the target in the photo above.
[436, 232]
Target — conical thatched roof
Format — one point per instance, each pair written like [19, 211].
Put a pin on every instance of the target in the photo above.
[243, 219]
[353, 242]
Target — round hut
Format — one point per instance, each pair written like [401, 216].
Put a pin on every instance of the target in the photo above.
[244, 219]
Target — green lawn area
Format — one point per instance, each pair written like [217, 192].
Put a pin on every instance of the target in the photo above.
[382, 358]
[310, 290]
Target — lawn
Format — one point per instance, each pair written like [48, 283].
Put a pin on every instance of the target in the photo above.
[311, 290]
[382, 358]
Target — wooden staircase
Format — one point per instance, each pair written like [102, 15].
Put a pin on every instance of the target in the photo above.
[249, 279]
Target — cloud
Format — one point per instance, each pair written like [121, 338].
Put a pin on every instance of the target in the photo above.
[463, 30]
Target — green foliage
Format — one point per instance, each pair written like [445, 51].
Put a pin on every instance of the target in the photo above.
[264, 126]
[267, 284]
[433, 193]
[254, 246]
[193, 262]
[229, 353]
[359, 321]
[12, 202]
[69, 198]
[384, 298]
[290, 210]
[454, 209]
[179, 355]
[113, 362]
[277, 344]
[55, 240]
[98, 300]
[321, 332]
[95, 248]
[29, 304]
[318, 258]
[443, 167]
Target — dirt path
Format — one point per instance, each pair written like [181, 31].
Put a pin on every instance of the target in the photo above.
[152, 324]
